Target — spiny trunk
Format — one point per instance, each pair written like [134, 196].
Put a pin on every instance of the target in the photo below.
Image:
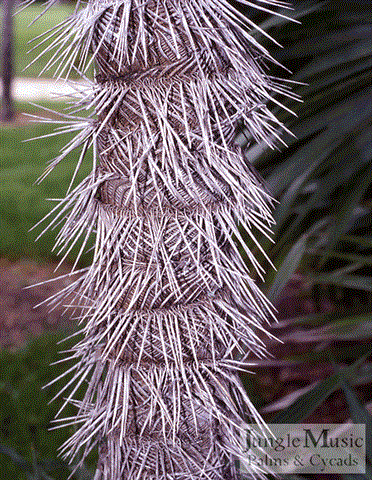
[170, 310]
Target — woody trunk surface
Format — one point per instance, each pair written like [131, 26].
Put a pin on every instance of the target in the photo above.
[171, 312]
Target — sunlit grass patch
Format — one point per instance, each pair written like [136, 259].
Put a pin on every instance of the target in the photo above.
[24, 33]
[22, 202]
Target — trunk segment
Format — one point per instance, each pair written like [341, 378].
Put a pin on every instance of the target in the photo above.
[170, 310]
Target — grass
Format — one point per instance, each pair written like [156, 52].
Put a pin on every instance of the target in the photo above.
[22, 202]
[24, 33]
[28, 449]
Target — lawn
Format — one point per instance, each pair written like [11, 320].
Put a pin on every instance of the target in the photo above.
[24, 34]
[22, 202]
[28, 449]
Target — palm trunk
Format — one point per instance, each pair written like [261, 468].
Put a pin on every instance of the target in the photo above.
[171, 312]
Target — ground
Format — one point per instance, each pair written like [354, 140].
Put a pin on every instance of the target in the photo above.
[20, 316]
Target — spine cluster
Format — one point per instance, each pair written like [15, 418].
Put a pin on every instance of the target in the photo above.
[170, 310]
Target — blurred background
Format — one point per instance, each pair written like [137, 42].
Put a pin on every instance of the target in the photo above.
[322, 249]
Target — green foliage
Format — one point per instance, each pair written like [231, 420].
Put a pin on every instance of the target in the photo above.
[22, 203]
[306, 404]
[323, 183]
[359, 414]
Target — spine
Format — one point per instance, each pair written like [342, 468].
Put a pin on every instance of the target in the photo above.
[171, 312]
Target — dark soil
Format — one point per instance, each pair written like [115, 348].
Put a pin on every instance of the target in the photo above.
[20, 316]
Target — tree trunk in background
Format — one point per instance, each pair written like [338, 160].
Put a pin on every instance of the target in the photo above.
[7, 111]
[171, 311]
